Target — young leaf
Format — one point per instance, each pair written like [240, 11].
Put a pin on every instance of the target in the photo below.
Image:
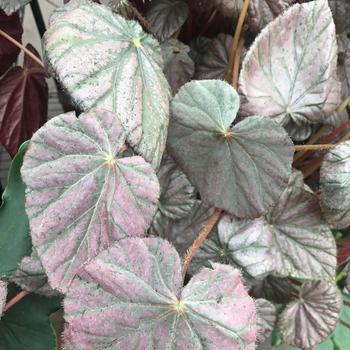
[178, 65]
[26, 325]
[15, 240]
[9, 52]
[182, 232]
[177, 195]
[283, 77]
[335, 186]
[113, 65]
[304, 245]
[30, 276]
[80, 194]
[131, 297]
[308, 320]
[166, 17]
[11, 6]
[242, 169]
[240, 243]
[266, 319]
[23, 103]
[3, 294]
[212, 64]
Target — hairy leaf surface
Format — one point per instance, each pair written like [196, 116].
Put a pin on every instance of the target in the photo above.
[304, 244]
[80, 194]
[266, 319]
[11, 6]
[308, 320]
[113, 65]
[9, 52]
[167, 16]
[242, 169]
[26, 325]
[3, 295]
[178, 65]
[15, 240]
[290, 70]
[30, 276]
[23, 103]
[131, 297]
[245, 244]
[335, 186]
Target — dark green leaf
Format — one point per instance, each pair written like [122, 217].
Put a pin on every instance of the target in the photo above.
[15, 242]
[26, 325]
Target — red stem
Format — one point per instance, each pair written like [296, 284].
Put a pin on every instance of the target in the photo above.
[15, 299]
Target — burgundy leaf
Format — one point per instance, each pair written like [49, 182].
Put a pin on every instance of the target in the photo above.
[131, 297]
[23, 103]
[309, 319]
[12, 26]
[81, 196]
[3, 294]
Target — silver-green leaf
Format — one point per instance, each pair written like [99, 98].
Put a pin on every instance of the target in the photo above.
[290, 70]
[242, 169]
[11, 6]
[113, 65]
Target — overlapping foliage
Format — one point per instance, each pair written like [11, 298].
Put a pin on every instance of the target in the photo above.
[170, 210]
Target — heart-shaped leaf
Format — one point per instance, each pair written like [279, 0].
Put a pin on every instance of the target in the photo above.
[178, 65]
[240, 243]
[182, 232]
[167, 16]
[11, 6]
[3, 295]
[304, 245]
[335, 186]
[9, 52]
[80, 194]
[282, 77]
[177, 195]
[131, 297]
[30, 276]
[26, 325]
[308, 320]
[212, 64]
[113, 65]
[23, 103]
[242, 169]
[15, 241]
[266, 319]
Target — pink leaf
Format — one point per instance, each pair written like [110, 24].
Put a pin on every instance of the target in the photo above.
[80, 195]
[131, 297]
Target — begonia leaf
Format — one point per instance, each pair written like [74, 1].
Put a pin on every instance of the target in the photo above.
[131, 297]
[3, 295]
[266, 319]
[11, 6]
[81, 194]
